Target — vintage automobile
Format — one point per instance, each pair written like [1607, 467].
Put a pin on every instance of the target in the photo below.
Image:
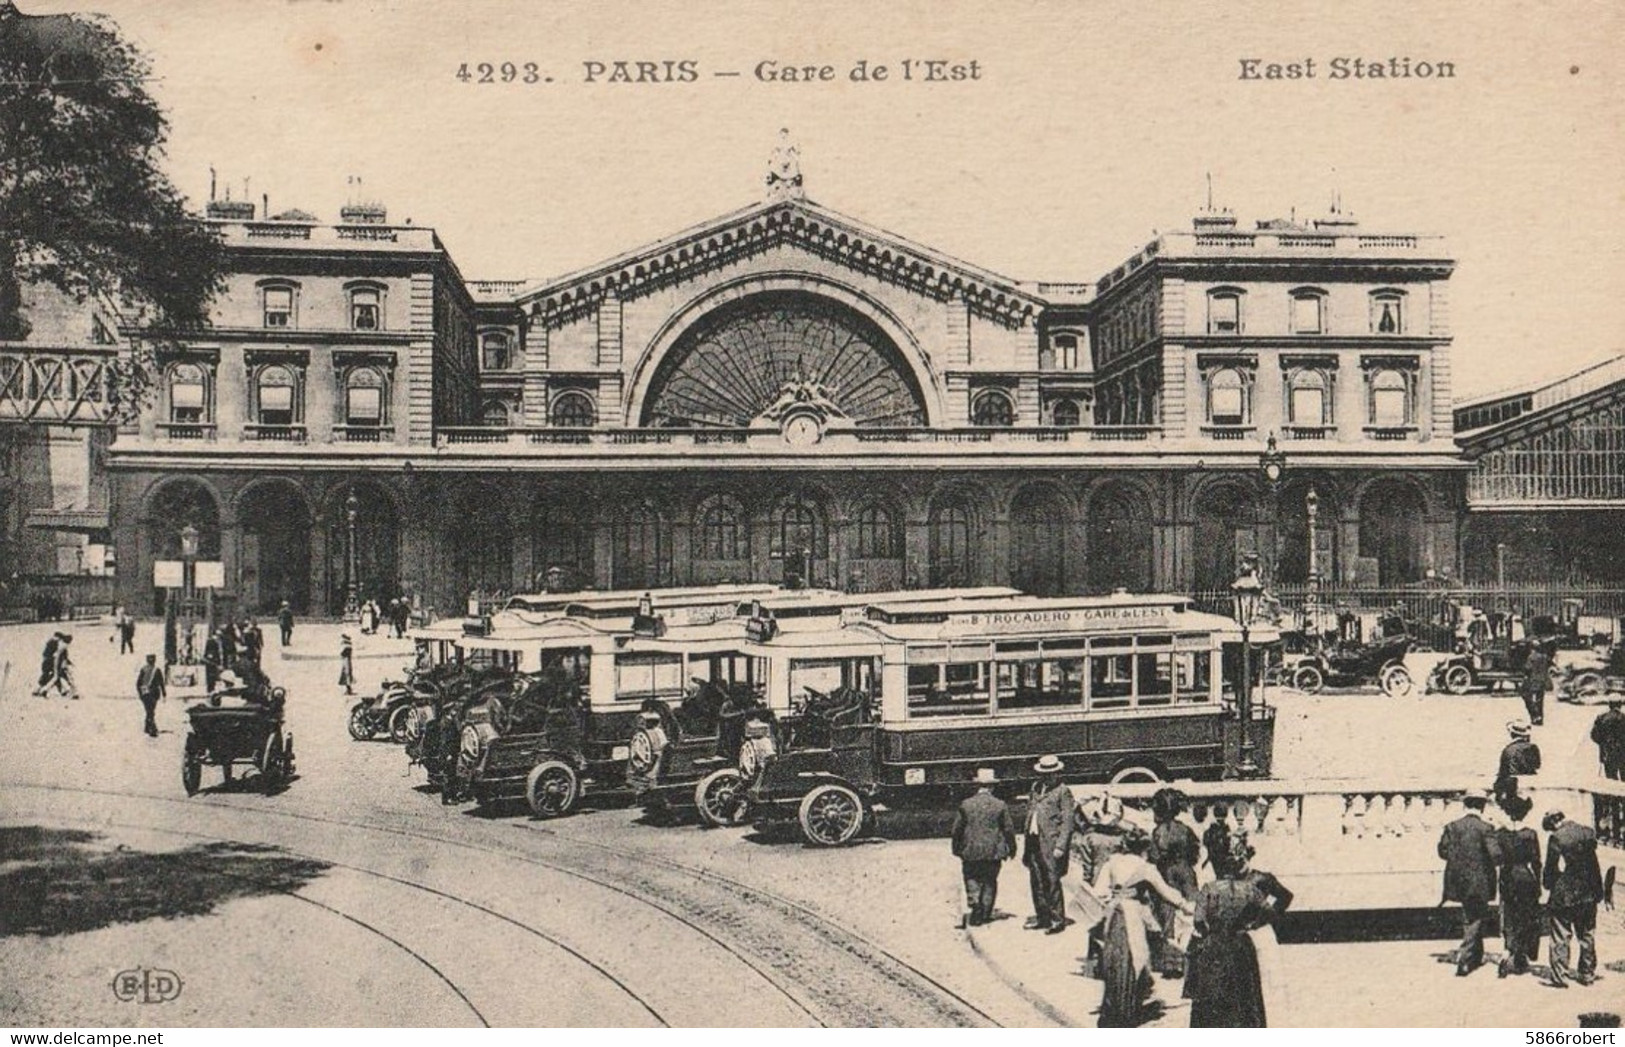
[1492, 649]
[389, 712]
[238, 726]
[1123, 688]
[1348, 659]
[749, 679]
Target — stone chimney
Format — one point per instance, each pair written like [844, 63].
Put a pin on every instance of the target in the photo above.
[231, 210]
[363, 214]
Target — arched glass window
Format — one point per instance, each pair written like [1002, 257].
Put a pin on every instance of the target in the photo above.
[275, 390]
[364, 398]
[950, 546]
[366, 308]
[992, 408]
[1224, 312]
[1227, 397]
[1390, 398]
[1308, 311]
[723, 533]
[494, 413]
[877, 538]
[1387, 312]
[1307, 399]
[1066, 414]
[573, 410]
[188, 394]
[800, 527]
[495, 351]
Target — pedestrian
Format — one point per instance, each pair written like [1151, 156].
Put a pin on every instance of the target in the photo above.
[253, 642]
[214, 660]
[228, 644]
[126, 632]
[346, 664]
[1224, 984]
[1609, 733]
[62, 669]
[1048, 844]
[369, 618]
[984, 836]
[1470, 852]
[1175, 852]
[1519, 853]
[1520, 758]
[284, 621]
[1573, 880]
[149, 687]
[1216, 839]
[47, 664]
[1125, 886]
[1099, 835]
[397, 618]
[1537, 680]
[1271, 969]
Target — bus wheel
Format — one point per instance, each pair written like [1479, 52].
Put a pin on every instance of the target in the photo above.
[552, 789]
[1308, 679]
[720, 799]
[830, 815]
[1135, 773]
[1395, 681]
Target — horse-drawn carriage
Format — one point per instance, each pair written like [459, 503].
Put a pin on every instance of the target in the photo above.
[239, 726]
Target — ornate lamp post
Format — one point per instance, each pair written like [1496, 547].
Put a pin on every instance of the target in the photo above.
[1272, 466]
[189, 536]
[1311, 507]
[352, 507]
[1246, 591]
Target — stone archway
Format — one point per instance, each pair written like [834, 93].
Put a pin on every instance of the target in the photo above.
[1226, 531]
[172, 506]
[1393, 532]
[275, 519]
[1040, 532]
[1119, 537]
[377, 545]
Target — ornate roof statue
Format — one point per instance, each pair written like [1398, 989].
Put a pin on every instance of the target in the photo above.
[784, 170]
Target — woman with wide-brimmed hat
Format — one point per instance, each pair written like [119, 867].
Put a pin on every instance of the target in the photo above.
[1126, 885]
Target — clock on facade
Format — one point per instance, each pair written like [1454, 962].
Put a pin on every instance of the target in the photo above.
[801, 429]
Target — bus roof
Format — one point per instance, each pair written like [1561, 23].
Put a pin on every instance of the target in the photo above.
[796, 603]
[1037, 618]
[591, 598]
[1117, 604]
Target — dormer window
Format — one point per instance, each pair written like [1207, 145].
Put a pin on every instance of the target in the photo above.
[992, 408]
[496, 351]
[366, 308]
[1308, 311]
[278, 306]
[1224, 311]
[1387, 312]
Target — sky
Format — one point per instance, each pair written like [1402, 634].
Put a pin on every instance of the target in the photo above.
[1089, 126]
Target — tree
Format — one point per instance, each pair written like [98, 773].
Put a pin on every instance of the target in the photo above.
[84, 203]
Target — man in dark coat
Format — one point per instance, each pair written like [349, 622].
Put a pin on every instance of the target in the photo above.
[214, 660]
[253, 641]
[149, 687]
[1537, 680]
[1574, 881]
[1471, 860]
[228, 644]
[1609, 733]
[1520, 887]
[1048, 844]
[284, 621]
[47, 664]
[1520, 758]
[984, 835]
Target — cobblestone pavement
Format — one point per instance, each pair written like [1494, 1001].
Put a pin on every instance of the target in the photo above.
[354, 898]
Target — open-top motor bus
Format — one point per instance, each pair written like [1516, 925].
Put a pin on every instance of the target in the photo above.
[1121, 688]
[746, 676]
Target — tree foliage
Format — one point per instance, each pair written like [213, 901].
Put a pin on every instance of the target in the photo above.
[84, 202]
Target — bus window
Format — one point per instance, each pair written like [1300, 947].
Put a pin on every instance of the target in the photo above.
[824, 676]
[1048, 684]
[574, 662]
[951, 689]
[1111, 680]
[1156, 678]
[640, 676]
[1193, 681]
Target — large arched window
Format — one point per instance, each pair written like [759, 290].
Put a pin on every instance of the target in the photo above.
[642, 549]
[1309, 401]
[1227, 397]
[573, 410]
[496, 351]
[950, 538]
[495, 414]
[800, 529]
[723, 533]
[877, 534]
[992, 408]
[276, 396]
[364, 397]
[188, 394]
[1390, 398]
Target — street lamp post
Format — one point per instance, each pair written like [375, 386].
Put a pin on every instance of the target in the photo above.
[1272, 466]
[352, 507]
[1311, 507]
[189, 536]
[1246, 591]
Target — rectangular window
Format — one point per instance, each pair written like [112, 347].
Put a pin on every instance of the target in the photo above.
[948, 689]
[1306, 314]
[1309, 405]
[1193, 680]
[639, 676]
[1228, 406]
[1156, 678]
[278, 306]
[364, 310]
[1039, 685]
[1224, 314]
[366, 406]
[1111, 680]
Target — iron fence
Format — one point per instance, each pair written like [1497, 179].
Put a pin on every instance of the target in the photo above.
[1430, 603]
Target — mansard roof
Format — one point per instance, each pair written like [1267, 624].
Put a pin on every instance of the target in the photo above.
[802, 223]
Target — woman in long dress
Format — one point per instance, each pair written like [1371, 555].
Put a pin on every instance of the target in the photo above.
[1223, 983]
[1520, 888]
[1126, 884]
[1174, 851]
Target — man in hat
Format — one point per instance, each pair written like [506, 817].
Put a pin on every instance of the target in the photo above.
[1537, 680]
[1521, 757]
[47, 664]
[1048, 844]
[1471, 860]
[284, 621]
[983, 836]
[1609, 733]
[1574, 879]
[149, 687]
[214, 660]
[346, 664]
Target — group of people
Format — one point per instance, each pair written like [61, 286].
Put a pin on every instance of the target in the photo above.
[1489, 857]
[56, 668]
[1145, 912]
[397, 617]
[233, 646]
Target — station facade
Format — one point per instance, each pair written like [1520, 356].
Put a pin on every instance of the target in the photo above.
[789, 390]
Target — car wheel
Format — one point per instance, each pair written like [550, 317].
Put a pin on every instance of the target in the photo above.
[271, 761]
[831, 815]
[552, 789]
[360, 730]
[400, 723]
[720, 799]
[192, 773]
[1395, 681]
[1135, 773]
[1588, 684]
[1457, 679]
[1308, 679]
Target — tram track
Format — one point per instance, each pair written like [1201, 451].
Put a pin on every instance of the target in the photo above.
[825, 970]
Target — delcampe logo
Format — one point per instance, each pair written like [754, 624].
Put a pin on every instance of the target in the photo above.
[146, 985]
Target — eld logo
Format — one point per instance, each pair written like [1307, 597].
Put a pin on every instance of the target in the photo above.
[146, 985]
